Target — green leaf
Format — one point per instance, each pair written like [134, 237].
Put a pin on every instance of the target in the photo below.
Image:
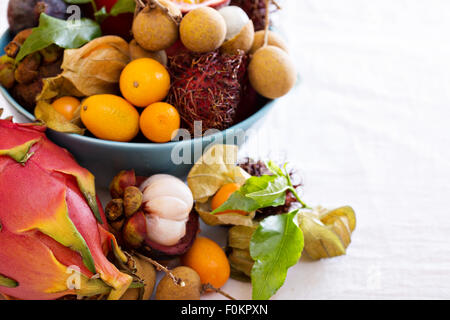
[274, 168]
[276, 245]
[273, 195]
[101, 15]
[8, 282]
[66, 34]
[123, 6]
[257, 193]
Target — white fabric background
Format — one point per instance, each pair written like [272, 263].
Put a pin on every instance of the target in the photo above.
[368, 126]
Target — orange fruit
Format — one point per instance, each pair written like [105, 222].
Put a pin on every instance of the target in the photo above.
[144, 81]
[160, 122]
[209, 260]
[67, 106]
[110, 117]
[223, 194]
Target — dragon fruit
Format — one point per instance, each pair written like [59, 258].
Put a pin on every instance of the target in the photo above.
[51, 222]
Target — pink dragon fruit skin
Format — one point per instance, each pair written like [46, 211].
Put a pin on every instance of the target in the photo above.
[51, 220]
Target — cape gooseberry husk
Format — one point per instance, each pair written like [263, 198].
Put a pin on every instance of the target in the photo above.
[137, 52]
[189, 287]
[203, 30]
[156, 29]
[273, 40]
[240, 30]
[272, 72]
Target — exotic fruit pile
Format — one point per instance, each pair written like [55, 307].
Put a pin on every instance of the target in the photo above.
[56, 242]
[142, 70]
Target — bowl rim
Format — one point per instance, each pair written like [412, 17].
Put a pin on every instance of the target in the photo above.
[140, 145]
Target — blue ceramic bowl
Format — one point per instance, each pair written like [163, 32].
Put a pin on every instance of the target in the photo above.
[106, 158]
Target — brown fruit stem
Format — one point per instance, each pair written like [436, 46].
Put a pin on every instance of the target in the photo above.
[160, 267]
[267, 22]
[276, 4]
[209, 286]
[152, 4]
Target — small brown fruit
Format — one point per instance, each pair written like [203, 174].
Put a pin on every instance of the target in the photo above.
[117, 225]
[123, 179]
[240, 30]
[203, 30]
[146, 272]
[137, 52]
[114, 209]
[28, 69]
[156, 28]
[7, 68]
[273, 40]
[189, 287]
[272, 72]
[242, 41]
[132, 200]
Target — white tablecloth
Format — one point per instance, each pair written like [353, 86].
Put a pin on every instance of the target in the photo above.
[368, 126]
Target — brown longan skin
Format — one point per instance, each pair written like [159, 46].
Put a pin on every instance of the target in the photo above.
[243, 41]
[272, 72]
[169, 290]
[203, 30]
[145, 271]
[273, 40]
[154, 30]
[137, 52]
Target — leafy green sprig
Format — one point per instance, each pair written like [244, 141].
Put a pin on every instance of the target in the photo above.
[278, 242]
[262, 192]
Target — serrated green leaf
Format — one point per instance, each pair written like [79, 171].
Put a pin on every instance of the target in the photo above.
[276, 245]
[66, 34]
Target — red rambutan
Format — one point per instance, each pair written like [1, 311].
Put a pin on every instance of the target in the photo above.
[207, 87]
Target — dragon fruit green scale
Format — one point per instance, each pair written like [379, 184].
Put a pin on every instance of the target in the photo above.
[51, 222]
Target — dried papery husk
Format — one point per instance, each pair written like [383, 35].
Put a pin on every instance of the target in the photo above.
[230, 218]
[327, 233]
[241, 262]
[214, 169]
[56, 121]
[93, 69]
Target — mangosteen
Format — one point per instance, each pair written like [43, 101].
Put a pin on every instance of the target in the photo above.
[159, 218]
[24, 14]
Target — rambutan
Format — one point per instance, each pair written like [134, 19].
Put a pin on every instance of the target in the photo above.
[256, 10]
[207, 88]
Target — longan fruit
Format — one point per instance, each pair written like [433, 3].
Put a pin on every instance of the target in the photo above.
[189, 289]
